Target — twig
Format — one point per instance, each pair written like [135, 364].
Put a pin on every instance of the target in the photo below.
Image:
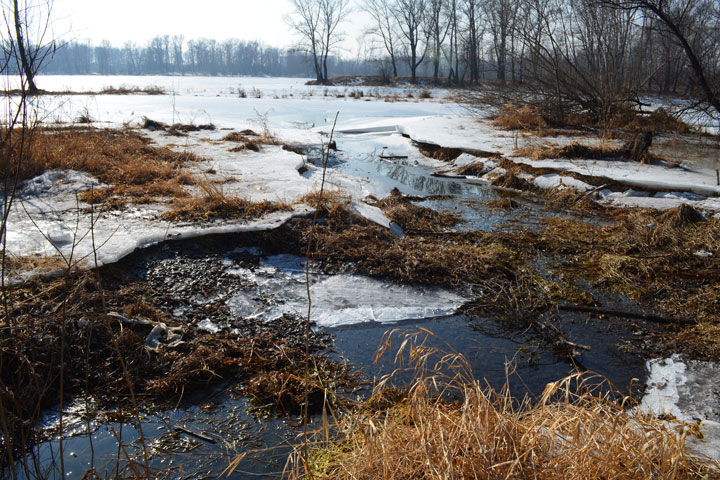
[195, 434]
[625, 314]
[306, 400]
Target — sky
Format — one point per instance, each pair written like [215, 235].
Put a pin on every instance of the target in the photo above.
[141, 20]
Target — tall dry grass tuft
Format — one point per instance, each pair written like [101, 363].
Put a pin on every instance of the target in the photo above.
[449, 425]
[114, 156]
[214, 204]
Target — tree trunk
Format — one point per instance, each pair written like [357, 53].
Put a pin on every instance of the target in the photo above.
[25, 61]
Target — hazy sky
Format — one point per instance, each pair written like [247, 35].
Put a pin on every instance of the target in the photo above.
[139, 20]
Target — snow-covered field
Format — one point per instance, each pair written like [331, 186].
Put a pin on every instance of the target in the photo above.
[47, 219]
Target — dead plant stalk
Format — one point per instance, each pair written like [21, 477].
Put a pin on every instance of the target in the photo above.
[306, 400]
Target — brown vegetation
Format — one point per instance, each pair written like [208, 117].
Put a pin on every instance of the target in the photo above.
[113, 156]
[543, 121]
[574, 150]
[127, 90]
[243, 140]
[214, 204]
[447, 154]
[578, 429]
[647, 257]
[96, 335]
[414, 218]
[177, 129]
[134, 170]
[510, 180]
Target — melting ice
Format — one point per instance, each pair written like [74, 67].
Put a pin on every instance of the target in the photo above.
[278, 287]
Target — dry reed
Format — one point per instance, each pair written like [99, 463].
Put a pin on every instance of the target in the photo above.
[450, 426]
[120, 158]
[214, 204]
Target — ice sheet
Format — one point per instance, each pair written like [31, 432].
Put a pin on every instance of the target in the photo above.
[279, 288]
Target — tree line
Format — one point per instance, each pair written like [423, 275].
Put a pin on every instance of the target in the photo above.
[592, 54]
[595, 55]
[167, 54]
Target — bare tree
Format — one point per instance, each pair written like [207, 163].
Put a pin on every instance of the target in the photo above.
[384, 27]
[473, 37]
[501, 16]
[410, 16]
[695, 25]
[317, 23]
[28, 23]
[437, 28]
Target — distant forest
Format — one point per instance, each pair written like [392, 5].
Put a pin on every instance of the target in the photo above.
[174, 55]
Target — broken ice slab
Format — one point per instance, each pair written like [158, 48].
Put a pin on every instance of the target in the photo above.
[336, 300]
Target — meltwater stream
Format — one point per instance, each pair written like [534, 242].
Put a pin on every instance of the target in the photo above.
[355, 310]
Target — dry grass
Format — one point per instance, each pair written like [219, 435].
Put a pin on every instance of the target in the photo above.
[661, 260]
[127, 90]
[476, 169]
[120, 158]
[541, 120]
[450, 426]
[214, 204]
[414, 218]
[424, 256]
[510, 180]
[574, 150]
[43, 314]
[244, 142]
[512, 117]
[30, 263]
[667, 261]
[331, 202]
[448, 154]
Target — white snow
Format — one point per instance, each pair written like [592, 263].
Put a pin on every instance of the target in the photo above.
[49, 220]
[687, 390]
[553, 180]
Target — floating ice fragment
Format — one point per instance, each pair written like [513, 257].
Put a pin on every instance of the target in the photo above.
[207, 325]
[60, 235]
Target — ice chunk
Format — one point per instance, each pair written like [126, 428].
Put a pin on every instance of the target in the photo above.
[687, 390]
[207, 325]
[60, 235]
[375, 215]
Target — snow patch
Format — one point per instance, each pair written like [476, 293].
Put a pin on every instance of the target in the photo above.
[689, 391]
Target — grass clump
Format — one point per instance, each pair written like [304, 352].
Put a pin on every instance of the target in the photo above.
[512, 117]
[214, 204]
[574, 150]
[133, 170]
[244, 142]
[113, 156]
[414, 218]
[127, 90]
[544, 120]
[449, 425]
[665, 261]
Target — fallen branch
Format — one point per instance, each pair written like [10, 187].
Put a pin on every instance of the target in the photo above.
[649, 317]
[195, 434]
